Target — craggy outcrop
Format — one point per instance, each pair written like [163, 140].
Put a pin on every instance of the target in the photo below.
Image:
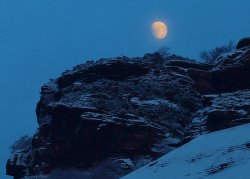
[112, 116]
[220, 111]
[230, 73]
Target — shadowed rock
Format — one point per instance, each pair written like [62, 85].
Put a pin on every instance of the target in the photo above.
[243, 43]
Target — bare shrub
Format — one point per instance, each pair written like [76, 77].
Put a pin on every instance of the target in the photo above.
[209, 56]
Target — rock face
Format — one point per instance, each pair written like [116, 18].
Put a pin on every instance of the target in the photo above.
[113, 116]
[230, 73]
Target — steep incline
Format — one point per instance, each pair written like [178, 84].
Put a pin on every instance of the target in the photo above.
[221, 154]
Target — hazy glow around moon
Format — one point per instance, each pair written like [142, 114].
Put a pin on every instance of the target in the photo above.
[159, 29]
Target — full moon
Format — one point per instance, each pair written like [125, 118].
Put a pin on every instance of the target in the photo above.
[159, 29]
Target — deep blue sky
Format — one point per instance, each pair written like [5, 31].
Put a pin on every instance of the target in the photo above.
[41, 38]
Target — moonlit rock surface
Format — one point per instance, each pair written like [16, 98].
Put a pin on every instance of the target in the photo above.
[222, 154]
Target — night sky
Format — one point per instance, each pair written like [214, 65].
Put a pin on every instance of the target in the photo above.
[39, 39]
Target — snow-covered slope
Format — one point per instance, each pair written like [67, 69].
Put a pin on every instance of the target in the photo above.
[222, 154]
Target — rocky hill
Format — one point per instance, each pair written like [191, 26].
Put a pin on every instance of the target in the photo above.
[107, 118]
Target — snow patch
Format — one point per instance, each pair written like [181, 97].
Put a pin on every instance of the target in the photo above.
[154, 102]
[222, 154]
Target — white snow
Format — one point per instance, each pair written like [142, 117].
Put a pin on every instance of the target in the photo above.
[220, 155]
[155, 102]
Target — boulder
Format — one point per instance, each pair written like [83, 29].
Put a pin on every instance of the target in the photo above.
[243, 43]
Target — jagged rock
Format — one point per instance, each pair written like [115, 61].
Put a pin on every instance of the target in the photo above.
[113, 70]
[220, 111]
[128, 112]
[188, 65]
[230, 73]
[110, 108]
[217, 120]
